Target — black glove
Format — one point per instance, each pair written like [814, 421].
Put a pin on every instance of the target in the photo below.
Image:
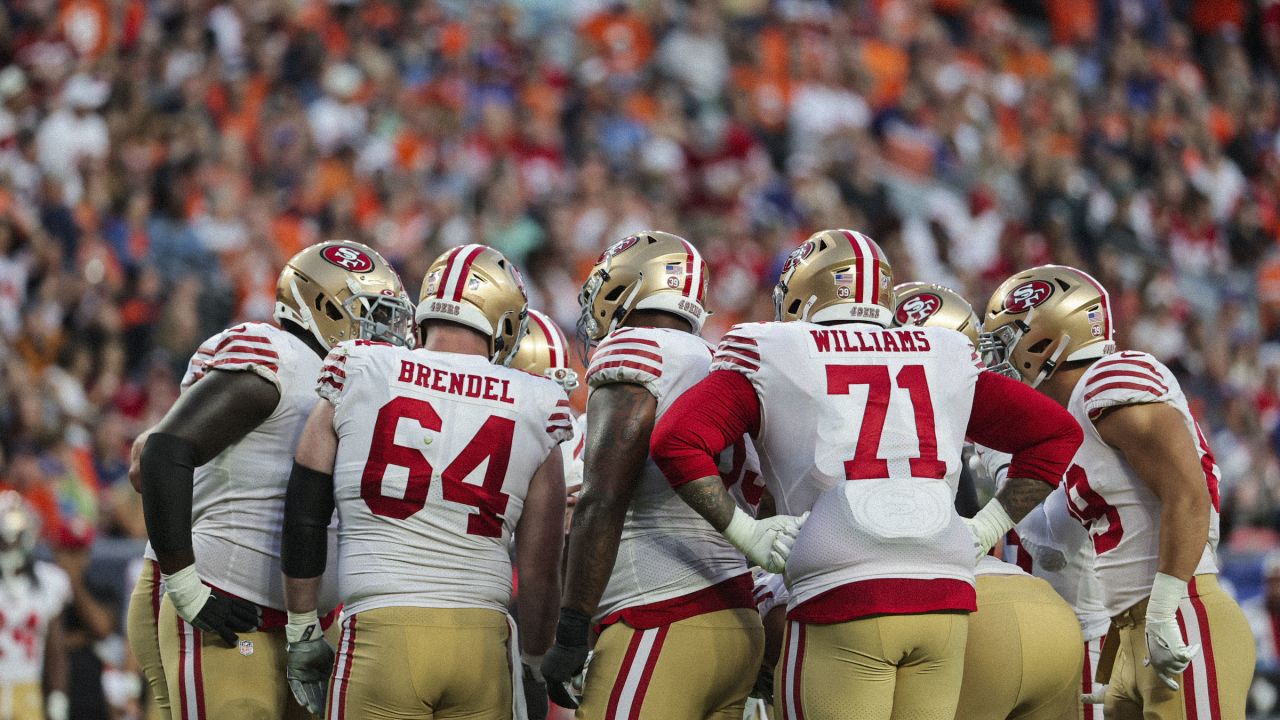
[535, 694]
[763, 688]
[225, 616]
[309, 665]
[567, 657]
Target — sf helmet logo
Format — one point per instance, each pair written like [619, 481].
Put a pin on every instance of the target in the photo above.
[347, 258]
[1027, 295]
[797, 256]
[618, 247]
[915, 310]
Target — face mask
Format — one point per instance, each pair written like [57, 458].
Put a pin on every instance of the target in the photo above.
[12, 562]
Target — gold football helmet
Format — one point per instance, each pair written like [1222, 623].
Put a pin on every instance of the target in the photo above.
[477, 286]
[835, 275]
[1041, 317]
[19, 530]
[343, 290]
[919, 303]
[545, 351]
[647, 271]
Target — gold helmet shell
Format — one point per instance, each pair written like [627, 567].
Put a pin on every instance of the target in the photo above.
[1042, 317]
[650, 270]
[344, 290]
[478, 287]
[544, 351]
[930, 304]
[19, 532]
[835, 275]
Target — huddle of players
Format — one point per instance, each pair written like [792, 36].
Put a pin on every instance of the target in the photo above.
[825, 446]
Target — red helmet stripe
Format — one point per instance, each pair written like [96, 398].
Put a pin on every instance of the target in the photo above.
[690, 263]
[458, 279]
[868, 270]
[552, 339]
[448, 269]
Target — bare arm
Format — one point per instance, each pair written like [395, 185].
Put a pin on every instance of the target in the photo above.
[208, 418]
[1020, 496]
[539, 542]
[317, 449]
[620, 417]
[55, 657]
[1154, 440]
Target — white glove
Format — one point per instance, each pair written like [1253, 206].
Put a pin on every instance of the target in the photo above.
[1166, 651]
[1097, 697]
[767, 542]
[57, 706]
[988, 526]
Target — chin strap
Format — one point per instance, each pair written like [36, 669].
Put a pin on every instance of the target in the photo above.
[1052, 363]
[308, 320]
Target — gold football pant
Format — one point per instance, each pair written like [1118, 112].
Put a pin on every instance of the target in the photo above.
[1025, 653]
[209, 681]
[396, 663]
[1213, 687]
[890, 667]
[22, 701]
[144, 637]
[700, 668]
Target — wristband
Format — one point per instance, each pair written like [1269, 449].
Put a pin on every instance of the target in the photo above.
[573, 628]
[740, 529]
[302, 626]
[186, 591]
[534, 663]
[1166, 592]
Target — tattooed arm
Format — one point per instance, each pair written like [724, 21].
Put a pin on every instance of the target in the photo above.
[1020, 496]
[620, 417]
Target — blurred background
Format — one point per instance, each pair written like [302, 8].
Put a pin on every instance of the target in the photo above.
[161, 159]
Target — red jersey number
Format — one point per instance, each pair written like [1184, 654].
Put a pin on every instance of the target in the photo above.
[867, 463]
[492, 441]
[1094, 513]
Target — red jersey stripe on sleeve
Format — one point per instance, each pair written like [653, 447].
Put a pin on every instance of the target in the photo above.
[617, 339]
[626, 351]
[248, 350]
[1127, 360]
[1120, 385]
[751, 351]
[722, 362]
[596, 369]
[1126, 373]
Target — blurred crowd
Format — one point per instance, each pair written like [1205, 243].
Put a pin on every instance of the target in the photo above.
[161, 159]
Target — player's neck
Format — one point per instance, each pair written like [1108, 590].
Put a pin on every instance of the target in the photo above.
[657, 319]
[305, 336]
[451, 338]
[1062, 383]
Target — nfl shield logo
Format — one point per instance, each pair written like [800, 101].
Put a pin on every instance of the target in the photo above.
[246, 647]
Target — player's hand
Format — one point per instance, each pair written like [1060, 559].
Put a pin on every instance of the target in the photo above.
[567, 657]
[763, 689]
[1097, 697]
[535, 693]
[766, 542]
[1049, 558]
[988, 526]
[1167, 654]
[208, 609]
[309, 665]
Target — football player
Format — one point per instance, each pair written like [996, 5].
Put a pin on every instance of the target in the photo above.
[33, 594]
[661, 584]
[1145, 485]
[544, 351]
[214, 472]
[881, 574]
[434, 458]
[1048, 542]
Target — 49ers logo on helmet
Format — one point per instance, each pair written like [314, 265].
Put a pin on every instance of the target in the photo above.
[1027, 295]
[618, 247]
[915, 310]
[797, 255]
[347, 258]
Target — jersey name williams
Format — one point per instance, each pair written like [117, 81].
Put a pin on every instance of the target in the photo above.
[455, 383]
[880, 341]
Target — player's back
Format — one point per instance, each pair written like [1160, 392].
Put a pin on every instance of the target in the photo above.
[238, 496]
[886, 409]
[435, 455]
[1121, 513]
[667, 550]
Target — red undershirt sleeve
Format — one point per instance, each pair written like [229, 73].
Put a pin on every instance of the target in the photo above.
[706, 419]
[1011, 417]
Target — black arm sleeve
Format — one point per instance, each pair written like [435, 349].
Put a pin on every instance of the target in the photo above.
[168, 472]
[308, 507]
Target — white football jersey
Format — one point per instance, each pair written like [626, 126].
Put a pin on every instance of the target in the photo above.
[1107, 496]
[571, 453]
[27, 607]
[1051, 545]
[435, 455]
[667, 550]
[238, 497]
[884, 408]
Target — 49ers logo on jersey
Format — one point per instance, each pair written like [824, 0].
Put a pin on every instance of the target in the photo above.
[347, 258]
[1029, 294]
[797, 256]
[915, 310]
[618, 247]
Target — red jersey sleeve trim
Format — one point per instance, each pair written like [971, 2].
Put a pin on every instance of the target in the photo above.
[1011, 417]
[706, 419]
